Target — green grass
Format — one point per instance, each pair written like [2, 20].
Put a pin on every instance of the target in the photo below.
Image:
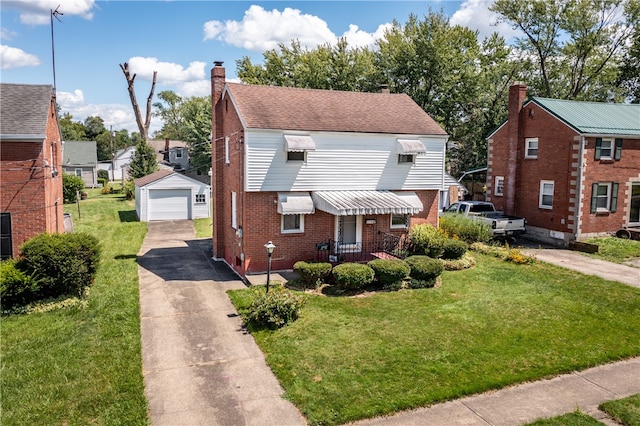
[485, 328]
[204, 227]
[625, 411]
[614, 249]
[83, 365]
[572, 419]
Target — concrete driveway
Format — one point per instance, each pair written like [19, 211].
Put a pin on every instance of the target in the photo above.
[199, 366]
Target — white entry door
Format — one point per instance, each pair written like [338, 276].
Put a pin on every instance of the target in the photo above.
[169, 204]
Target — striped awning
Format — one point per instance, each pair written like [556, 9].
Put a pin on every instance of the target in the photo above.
[298, 143]
[295, 203]
[410, 147]
[347, 203]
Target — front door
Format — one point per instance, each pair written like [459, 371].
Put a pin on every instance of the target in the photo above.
[348, 233]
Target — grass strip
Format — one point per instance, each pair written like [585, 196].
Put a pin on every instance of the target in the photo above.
[625, 411]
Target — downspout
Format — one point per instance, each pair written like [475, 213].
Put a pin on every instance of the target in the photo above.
[579, 178]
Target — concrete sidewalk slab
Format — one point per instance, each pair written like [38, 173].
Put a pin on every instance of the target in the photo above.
[200, 367]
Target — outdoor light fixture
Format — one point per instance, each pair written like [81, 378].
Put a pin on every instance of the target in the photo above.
[270, 247]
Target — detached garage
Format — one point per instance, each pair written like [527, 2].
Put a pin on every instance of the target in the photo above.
[167, 195]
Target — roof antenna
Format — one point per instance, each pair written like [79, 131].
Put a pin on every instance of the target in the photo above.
[54, 14]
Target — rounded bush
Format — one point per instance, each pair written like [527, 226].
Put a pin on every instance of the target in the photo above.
[390, 272]
[103, 175]
[71, 186]
[275, 309]
[353, 276]
[424, 268]
[312, 274]
[427, 239]
[16, 287]
[64, 263]
[454, 249]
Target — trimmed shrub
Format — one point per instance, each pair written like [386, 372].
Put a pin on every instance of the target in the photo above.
[16, 287]
[454, 249]
[129, 188]
[64, 263]
[465, 262]
[312, 274]
[427, 239]
[103, 175]
[353, 276]
[424, 271]
[465, 228]
[390, 273]
[275, 309]
[71, 186]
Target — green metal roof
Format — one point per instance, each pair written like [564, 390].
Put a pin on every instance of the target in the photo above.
[595, 117]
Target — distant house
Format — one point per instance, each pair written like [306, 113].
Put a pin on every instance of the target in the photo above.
[171, 154]
[80, 158]
[118, 168]
[323, 174]
[167, 195]
[572, 169]
[31, 198]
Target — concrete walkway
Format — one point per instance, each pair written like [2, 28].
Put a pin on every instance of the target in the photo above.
[199, 367]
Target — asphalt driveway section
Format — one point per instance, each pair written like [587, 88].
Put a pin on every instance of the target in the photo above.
[200, 367]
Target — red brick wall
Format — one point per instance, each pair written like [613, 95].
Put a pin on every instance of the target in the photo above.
[29, 191]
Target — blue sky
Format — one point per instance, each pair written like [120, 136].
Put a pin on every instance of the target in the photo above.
[181, 39]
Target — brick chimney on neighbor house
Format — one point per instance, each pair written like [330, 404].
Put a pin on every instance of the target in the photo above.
[517, 96]
[218, 81]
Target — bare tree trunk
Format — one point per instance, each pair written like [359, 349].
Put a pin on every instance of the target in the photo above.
[143, 127]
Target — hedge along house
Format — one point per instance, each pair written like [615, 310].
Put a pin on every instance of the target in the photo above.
[323, 174]
[571, 168]
[30, 165]
[167, 195]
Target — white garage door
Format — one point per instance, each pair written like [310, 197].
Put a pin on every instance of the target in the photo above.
[169, 204]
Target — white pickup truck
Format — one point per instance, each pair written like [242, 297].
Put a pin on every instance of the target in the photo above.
[501, 225]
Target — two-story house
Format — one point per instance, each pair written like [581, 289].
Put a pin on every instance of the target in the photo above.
[31, 199]
[571, 168]
[80, 158]
[320, 173]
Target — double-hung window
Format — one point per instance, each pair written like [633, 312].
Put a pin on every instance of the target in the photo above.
[608, 149]
[292, 223]
[604, 197]
[531, 148]
[546, 194]
[499, 186]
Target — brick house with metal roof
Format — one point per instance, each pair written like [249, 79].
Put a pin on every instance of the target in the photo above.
[571, 168]
[323, 174]
[31, 198]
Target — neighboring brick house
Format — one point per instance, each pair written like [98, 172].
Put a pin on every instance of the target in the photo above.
[31, 196]
[571, 168]
[324, 174]
[80, 158]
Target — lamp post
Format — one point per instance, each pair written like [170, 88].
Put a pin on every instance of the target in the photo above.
[270, 247]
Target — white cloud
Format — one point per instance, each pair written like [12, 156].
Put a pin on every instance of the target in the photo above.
[199, 88]
[359, 38]
[168, 72]
[262, 30]
[7, 34]
[38, 12]
[12, 57]
[475, 14]
[70, 99]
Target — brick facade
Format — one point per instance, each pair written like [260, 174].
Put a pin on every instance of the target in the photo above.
[564, 157]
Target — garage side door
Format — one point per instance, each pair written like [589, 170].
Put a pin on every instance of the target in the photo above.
[169, 204]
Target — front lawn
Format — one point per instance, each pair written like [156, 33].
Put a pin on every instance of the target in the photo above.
[82, 365]
[625, 411]
[485, 328]
[614, 249]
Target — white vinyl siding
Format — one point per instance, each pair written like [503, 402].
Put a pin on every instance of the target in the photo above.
[171, 198]
[341, 161]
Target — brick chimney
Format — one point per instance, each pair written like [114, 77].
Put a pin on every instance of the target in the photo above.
[218, 81]
[517, 96]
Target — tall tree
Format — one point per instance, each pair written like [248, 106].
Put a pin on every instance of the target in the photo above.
[142, 126]
[94, 126]
[170, 112]
[72, 130]
[630, 70]
[196, 113]
[577, 43]
[144, 161]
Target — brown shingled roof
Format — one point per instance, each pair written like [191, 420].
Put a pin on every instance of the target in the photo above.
[271, 107]
[145, 180]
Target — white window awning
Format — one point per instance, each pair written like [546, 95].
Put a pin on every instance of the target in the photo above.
[347, 203]
[298, 143]
[295, 203]
[410, 147]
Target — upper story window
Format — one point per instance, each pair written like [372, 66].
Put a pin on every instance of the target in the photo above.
[499, 186]
[604, 197]
[546, 194]
[297, 146]
[407, 149]
[608, 149]
[406, 158]
[226, 150]
[531, 148]
[296, 156]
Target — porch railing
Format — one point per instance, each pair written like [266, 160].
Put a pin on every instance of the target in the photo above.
[384, 245]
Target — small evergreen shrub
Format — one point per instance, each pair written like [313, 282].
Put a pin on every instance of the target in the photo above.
[71, 186]
[312, 274]
[275, 309]
[424, 270]
[103, 175]
[129, 188]
[16, 287]
[465, 228]
[390, 273]
[427, 239]
[63, 263]
[454, 249]
[353, 276]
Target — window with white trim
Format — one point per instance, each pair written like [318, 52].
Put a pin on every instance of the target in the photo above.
[399, 221]
[499, 186]
[201, 198]
[226, 149]
[179, 153]
[296, 155]
[78, 172]
[406, 158]
[531, 148]
[234, 213]
[292, 223]
[546, 194]
[604, 197]
[634, 211]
